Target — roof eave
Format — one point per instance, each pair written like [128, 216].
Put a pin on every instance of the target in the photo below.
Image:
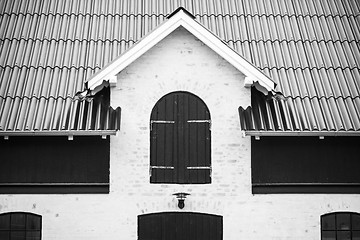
[6, 134]
[300, 133]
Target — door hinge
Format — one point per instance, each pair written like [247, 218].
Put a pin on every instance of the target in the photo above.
[160, 121]
[160, 167]
[201, 167]
[200, 121]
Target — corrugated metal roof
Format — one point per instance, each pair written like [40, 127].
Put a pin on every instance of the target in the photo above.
[71, 115]
[310, 48]
[267, 114]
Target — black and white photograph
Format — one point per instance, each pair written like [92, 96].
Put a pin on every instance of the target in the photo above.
[179, 119]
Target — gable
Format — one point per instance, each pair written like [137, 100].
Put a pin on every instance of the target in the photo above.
[180, 62]
[181, 18]
[178, 57]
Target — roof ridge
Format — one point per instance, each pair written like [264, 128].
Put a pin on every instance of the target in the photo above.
[322, 97]
[167, 15]
[292, 40]
[48, 66]
[310, 68]
[225, 40]
[69, 40]
[73, 98]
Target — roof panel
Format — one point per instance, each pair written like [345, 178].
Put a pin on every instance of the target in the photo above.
[275, 8]
[333, 84]
[318, 113]
[333, 8]
[341, 54]
[354, 5]
[311, 7]
[341, 81]
[301, 54]
[285, 50]
[355, 30]
[301, 83]
[321, 91]
[271, 57]
[355, 120]
[318, 41]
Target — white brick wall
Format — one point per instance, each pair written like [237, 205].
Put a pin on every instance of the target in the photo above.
[180, 62]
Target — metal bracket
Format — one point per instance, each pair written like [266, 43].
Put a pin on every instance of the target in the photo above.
[160, 167]
[160, 121]
[163, 167]
[200, 121]
[199, 167]
[202, 167]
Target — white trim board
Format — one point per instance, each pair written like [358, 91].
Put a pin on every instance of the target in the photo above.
[181, 18]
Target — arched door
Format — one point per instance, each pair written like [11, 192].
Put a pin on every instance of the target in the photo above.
[180, 226]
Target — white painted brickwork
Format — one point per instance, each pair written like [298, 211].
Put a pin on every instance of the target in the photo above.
[180, 62]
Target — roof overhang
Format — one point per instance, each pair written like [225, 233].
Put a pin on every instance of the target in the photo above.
[180, 18]
[7, 134]
[320, 134]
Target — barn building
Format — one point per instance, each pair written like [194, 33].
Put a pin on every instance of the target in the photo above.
[180, 119]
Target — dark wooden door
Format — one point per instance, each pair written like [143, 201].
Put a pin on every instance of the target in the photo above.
[180, 226]
[180, 140]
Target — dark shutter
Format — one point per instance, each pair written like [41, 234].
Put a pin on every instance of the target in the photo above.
[180, 139]
[305, 164]
[53, 164]
[180, 226]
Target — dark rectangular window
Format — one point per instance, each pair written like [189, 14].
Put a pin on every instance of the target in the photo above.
[305, 165]
[54, 165]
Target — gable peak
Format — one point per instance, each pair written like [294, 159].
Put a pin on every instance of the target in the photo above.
[183, 10]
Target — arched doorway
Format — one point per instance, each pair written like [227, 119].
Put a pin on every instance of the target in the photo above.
[180, 226]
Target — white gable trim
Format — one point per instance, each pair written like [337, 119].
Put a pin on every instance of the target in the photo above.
[181, 18]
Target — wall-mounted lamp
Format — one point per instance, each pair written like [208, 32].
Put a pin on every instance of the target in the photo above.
[181, 197]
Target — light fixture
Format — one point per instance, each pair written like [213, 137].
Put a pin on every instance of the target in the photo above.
[181, 197]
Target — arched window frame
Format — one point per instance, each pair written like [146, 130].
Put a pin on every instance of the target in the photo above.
[340, 225]
[180, 140]
[20, 225]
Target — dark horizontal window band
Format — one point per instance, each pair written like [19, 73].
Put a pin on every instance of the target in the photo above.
[57, 188]
[310, 188]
